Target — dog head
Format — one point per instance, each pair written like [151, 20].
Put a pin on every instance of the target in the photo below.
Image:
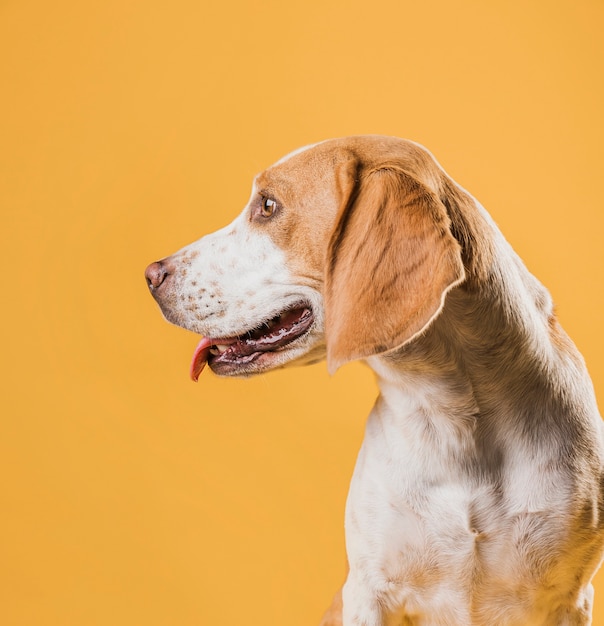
[344, 250]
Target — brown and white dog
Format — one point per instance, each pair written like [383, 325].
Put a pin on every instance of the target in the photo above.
[477, 497]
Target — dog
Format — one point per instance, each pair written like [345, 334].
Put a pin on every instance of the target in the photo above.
[477, 496]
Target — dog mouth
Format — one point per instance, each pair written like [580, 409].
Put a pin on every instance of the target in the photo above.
[228, 355]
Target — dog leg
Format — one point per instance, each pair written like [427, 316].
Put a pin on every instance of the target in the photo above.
[333, 615]
[360, 606]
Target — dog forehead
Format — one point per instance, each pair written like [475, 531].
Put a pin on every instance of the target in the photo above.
[308, 170]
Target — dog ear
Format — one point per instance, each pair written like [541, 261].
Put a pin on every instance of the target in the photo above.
[391, 260]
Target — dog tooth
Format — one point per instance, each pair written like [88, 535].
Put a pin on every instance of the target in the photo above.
[221, 348]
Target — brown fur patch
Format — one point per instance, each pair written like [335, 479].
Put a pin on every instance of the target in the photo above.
[392, 258]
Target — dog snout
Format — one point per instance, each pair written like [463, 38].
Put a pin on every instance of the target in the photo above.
[157, 275]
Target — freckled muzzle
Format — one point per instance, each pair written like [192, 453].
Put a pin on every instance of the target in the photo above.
[253, 349]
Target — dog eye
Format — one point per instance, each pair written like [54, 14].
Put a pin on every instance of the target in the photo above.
[268, 207]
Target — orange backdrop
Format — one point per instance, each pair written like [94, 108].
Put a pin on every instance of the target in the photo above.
[127, 129]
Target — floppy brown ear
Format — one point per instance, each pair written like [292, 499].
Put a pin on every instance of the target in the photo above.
[391, 261]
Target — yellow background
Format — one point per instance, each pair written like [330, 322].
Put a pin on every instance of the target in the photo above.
[129, 128]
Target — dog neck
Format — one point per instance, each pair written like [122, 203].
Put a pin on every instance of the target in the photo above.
[478, 367]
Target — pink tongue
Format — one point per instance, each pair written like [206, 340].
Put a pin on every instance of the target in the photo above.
[200, 358]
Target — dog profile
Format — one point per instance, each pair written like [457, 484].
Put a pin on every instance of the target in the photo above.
[477, 496]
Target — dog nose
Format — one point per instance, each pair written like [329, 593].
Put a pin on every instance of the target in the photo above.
[156, 274]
